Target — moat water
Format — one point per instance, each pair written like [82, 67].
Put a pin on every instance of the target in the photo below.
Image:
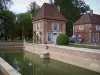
[31, 64]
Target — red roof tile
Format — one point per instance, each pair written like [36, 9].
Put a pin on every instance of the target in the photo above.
[88, 19]
[49, 11]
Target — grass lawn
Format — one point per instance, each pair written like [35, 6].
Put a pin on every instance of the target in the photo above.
[84, 46]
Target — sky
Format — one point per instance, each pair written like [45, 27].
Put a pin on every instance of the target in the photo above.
[21, 6]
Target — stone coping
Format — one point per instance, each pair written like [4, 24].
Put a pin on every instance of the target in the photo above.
[74, 48]
[7, 69]
[11, 43]
[10, 46]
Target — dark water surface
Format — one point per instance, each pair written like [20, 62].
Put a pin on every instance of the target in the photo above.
[30, 64]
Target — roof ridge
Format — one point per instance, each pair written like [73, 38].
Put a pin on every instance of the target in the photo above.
[49, 11]
[96, 14]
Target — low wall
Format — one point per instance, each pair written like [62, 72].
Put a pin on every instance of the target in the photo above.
[6, 69]
[82, 57]
[11, 46]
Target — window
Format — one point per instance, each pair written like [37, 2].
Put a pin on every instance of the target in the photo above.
[81, 27]
[38, 26]
[49, 36]
[97, 27]
[55, 26]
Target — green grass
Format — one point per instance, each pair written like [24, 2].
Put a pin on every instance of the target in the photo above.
[85, 46]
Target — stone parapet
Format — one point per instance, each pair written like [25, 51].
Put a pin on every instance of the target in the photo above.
[7, 69]
[81, 57]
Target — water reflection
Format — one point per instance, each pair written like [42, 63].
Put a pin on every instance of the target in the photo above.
[30, 64]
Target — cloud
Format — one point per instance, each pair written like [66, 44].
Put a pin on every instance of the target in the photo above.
[95, 5]
[20, 6]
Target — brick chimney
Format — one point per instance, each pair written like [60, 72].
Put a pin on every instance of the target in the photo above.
[59, 8]
[51, 1]
[91, 12]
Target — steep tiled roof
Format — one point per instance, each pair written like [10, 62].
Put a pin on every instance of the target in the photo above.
[88, 19]
[49, 11]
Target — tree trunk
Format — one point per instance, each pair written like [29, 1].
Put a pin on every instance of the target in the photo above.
[6, 37]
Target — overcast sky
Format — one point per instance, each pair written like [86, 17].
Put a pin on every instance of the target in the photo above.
[20, 6]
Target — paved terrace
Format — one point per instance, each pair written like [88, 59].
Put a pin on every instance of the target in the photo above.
[77, 49]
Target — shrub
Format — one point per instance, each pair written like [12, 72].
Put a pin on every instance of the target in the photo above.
[62, 39]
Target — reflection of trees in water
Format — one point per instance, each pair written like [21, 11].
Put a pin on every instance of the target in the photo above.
[16, 64]
[4, 56]
[46, 62]
[33, 65]
[40, 66]
[25, 67]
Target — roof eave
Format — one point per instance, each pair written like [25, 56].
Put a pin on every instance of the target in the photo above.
[49, 19]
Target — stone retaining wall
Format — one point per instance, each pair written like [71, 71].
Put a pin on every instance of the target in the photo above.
[11, 46]
[6, 69]
[82, 57]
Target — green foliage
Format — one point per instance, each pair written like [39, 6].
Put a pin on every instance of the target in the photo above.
[25, 25]
[33, 8]
[62, 39]
[36, 11]
[6, 17]
[34, 37]
[72, 11]
[7, 24]
[5, 4]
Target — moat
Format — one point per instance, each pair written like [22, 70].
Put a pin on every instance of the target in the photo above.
[31, 64]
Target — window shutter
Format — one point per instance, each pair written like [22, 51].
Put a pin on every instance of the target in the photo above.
[58, 26]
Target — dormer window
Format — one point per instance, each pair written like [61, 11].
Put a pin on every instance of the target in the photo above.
[38, 26]
[97, 27]
[55, 26]
[81, 27]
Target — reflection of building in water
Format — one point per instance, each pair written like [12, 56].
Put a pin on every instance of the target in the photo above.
[39, 65]
[52, 67]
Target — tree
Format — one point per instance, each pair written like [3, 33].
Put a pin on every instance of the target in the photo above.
[51, 1]
[8, 20]
[25, 26]
[72, 11]
[80, 4]
[33, 9]
[5, 4]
